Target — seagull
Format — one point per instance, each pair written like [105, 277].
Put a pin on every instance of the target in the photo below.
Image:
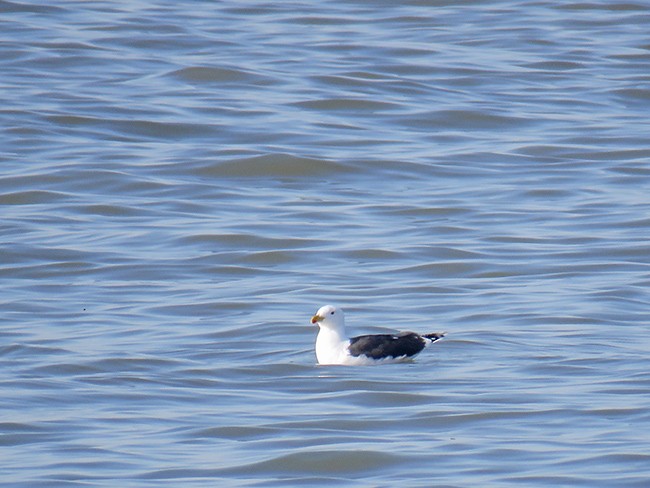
[332, 347]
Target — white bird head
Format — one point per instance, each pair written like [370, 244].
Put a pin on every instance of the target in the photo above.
[329, 317]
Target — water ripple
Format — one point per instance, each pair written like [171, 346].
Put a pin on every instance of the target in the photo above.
[183, 185]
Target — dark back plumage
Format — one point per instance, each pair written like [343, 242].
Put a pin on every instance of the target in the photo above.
[387, 345]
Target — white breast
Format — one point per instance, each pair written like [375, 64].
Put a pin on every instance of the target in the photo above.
[331, 348]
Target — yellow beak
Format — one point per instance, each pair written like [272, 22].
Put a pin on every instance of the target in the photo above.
[316, 318]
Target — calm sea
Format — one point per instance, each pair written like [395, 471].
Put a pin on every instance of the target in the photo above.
[183, 184]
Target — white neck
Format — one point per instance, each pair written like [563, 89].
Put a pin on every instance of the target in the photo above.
[330, 346]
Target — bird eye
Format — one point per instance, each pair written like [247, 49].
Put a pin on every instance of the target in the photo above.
[331, 313]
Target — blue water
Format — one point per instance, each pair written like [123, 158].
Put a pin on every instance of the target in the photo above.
[183, 184]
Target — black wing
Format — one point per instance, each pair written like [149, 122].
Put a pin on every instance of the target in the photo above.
[386, 345]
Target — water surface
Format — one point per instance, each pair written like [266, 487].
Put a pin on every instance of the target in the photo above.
[183, 184]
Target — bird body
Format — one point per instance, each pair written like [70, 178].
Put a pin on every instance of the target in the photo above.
[333, 347]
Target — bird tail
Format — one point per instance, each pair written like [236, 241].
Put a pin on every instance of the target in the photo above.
[434, 337]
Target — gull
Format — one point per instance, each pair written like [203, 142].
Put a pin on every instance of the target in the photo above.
[332, 347]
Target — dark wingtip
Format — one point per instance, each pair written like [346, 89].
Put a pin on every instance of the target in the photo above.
[435, 336]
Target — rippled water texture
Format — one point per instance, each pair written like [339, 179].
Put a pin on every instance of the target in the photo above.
[183, 184]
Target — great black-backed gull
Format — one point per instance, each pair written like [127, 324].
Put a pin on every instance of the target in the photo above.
[332, 347]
